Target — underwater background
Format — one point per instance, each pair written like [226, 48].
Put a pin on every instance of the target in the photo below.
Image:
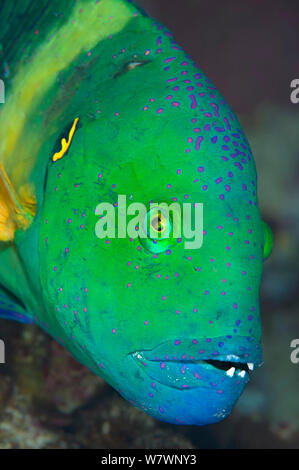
[249, 50]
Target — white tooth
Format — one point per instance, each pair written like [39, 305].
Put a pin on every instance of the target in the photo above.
[242, 373]
[230, 372]
[250, 365]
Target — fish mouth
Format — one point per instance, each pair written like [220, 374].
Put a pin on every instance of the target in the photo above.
[215, 363]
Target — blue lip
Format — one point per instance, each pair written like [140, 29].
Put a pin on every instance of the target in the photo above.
[214, 363]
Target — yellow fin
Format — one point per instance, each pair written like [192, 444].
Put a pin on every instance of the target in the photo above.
[16, 212]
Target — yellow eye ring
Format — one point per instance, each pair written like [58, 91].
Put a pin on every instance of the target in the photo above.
[158, 223]
[157, 227]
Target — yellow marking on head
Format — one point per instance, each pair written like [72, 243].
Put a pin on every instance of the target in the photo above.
[15, 212]
[88, 24]
[66, 144]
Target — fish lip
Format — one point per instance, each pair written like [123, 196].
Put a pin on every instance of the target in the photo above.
[196, 363]
[251, 355]
[139, 356]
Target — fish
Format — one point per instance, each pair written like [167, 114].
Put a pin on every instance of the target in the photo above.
[102, 102]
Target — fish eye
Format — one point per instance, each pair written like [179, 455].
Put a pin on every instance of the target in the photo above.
[157, 230]
[159, 223]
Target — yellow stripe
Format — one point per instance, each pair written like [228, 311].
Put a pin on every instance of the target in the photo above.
[65, 144]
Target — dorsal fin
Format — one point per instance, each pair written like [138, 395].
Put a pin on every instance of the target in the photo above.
[16, 212]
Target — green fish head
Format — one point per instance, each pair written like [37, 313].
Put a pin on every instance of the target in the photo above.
[172, 323]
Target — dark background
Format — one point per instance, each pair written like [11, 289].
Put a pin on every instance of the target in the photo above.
[250, 51]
